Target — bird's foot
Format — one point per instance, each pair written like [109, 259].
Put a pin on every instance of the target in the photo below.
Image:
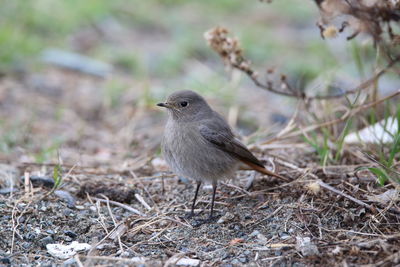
[191, 214]
[209, 220]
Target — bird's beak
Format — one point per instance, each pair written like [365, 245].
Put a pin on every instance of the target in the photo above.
[165, 105]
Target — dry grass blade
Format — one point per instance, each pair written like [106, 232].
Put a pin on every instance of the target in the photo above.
[121, 205]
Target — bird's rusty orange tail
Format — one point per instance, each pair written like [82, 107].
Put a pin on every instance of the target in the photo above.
[265, 171]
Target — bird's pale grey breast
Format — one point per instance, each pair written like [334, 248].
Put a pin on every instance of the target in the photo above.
[190, 154]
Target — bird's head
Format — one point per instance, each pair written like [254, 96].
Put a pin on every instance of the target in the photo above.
[186, 105]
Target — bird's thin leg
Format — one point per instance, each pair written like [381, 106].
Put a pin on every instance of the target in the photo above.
[214, 185]
[194, 199]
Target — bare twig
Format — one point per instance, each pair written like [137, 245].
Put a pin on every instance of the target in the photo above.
[128, 208]
[359, 202]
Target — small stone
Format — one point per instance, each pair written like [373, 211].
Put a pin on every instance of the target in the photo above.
[46, 240]
[225, 255]
[261, 238]
[80, 207]
[105, 246]
[70, 261]
[188, 262]
[208, 248]
[31, 236]
[26, 245]
[93, 208]
[306, 247]
[284, 236]
[278, 253]
[226, 218]
[67, 197]
[235, 262]
[140, 260]
[5, 261]
[242, 259]
[50, 232]
[254, 233]
[71, 234]
[62, 251]
[124, 254]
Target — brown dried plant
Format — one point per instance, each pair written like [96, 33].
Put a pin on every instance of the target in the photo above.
[374, 17]
[229, 49]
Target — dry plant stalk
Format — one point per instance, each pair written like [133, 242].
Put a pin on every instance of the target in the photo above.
[231, 53]
[229, 49]
[373, 17]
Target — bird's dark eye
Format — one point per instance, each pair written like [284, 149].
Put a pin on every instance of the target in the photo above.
[184, 104]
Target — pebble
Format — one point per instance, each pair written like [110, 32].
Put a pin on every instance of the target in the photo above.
[226, 218]
[284, 236]
[254, 233]
[26, 245]
[71, 234]
[261, 238]
[67, 197]
[5, 261]
[208, 248]
[93, 208]
[70, 261]
[278, 253]
[188, 262]
[46, 240]
[225, 255]
[235, 262]
[124, 254]
[140, 260]
[43, 208]
[305, 246]
[62, 251]
[30, 236]
[105, 246]
[50, 232]
[242, 259]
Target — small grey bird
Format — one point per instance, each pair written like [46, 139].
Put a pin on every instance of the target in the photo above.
[199, 144]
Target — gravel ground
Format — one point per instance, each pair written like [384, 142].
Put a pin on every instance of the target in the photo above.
[118, 197]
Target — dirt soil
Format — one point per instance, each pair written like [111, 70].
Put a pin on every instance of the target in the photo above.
[118, 196]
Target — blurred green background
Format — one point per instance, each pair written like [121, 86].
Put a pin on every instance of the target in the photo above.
[163, 40]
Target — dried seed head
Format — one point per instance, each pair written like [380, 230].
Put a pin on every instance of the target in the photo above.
[314, 188]
[330, 32]
[228, 48]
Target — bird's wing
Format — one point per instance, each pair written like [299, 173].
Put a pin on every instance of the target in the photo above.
[218, 133]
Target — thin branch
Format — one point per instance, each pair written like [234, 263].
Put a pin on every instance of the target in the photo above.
[359, 202]
[128, 208]
[269, 85]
